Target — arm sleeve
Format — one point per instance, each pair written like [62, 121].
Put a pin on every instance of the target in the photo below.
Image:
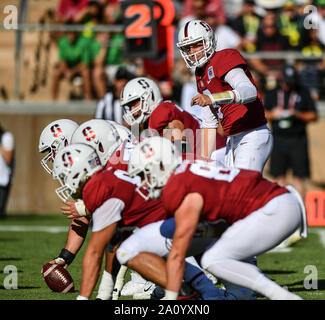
[109, 212]
[244, 89]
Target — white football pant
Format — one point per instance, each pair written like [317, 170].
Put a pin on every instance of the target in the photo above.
[261, 231]
[250, 149]
[149, 239]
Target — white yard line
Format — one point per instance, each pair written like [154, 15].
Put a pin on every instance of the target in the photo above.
[49, 229]
[276, 249]
[321, 234]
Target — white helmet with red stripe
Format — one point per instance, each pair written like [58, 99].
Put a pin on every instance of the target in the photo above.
[54, 137]
[191, 33]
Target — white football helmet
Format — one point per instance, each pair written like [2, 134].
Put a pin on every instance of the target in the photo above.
[73, 165]
[54, 137]
[147, 92]
[99, 134]
[153, 159]
[124, 132]
[193, 32]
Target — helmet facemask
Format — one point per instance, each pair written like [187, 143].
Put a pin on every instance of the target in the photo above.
[207, 50]
[73, 166]
[52, 151]
[143, 108]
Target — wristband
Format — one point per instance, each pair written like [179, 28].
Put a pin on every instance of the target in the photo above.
[67, 256]
[223, 97]
[81, 208]
[81, 298]
[171, 295]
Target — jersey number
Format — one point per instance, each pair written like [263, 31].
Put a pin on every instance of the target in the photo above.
[212, 172]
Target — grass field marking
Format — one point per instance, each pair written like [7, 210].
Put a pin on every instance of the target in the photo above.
[49, 229]
[276, 249]
[321, 234]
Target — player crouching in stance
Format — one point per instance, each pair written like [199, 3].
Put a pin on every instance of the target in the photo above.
[260, 213]
[111, 199]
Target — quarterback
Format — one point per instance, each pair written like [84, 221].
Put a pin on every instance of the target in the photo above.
[225, 83]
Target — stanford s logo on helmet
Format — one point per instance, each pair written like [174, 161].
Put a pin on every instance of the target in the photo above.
[56, 130]
[148, 151]
[66, 159]
[89, 133]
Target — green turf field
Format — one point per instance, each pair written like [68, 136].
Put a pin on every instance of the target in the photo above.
[27, 243]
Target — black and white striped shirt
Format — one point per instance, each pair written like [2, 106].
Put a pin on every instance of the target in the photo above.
[109, 108]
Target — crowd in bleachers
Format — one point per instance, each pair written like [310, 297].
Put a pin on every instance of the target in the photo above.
[247, 25]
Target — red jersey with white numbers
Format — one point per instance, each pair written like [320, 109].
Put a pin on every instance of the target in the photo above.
[167, 111]
[229, 193]
[235, 118]
[109, 183]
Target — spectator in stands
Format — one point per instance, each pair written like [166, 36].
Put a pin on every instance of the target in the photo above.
[247, 25]
[310, 70]
[74, 59]
[290, 107]
[106, 51]
[194, 9]
[7, 149]
[89, 13]
[109, 107]
[320, 4]
[269, 39]
[290, 25]
[226, 37]
[68, 9]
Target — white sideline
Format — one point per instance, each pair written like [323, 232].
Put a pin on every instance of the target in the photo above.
[49, 229]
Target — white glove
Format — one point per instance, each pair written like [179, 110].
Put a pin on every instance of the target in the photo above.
[209, 118]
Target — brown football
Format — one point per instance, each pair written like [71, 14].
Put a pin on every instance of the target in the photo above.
[57, 278]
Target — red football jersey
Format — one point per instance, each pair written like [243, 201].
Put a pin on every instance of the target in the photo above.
[167, 111]
[120, 159]
[235, 118]
[228, 193]
[110, 183]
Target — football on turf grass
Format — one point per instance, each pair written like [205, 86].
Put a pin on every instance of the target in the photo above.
[57, 278]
